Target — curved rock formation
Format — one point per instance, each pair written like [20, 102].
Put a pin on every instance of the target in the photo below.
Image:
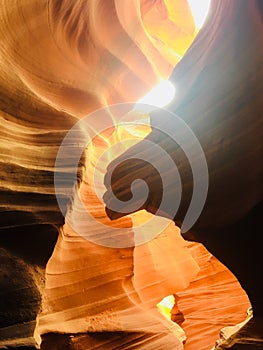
[57, 67]
[61, 60]
[95, 283]
[50, 79]
[219, 95]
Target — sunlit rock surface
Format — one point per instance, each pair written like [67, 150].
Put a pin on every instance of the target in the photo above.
[219, 84]
[56, 67]
[50, 78]
[96, 288]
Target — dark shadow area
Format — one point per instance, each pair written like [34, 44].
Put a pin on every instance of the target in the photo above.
[34, 244]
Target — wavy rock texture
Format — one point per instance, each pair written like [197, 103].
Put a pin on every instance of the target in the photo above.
[219, 95]
[57, 67]
[50, 78]
[210, 85]
[96, 288]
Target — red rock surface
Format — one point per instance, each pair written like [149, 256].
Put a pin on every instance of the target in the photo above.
[212, 301]
[49, 80]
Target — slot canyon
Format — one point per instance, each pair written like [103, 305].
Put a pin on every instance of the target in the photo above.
[78, 272]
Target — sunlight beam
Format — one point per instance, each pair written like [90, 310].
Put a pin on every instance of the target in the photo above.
[199, 10]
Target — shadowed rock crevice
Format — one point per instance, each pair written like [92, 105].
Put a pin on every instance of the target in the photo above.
[20, 297]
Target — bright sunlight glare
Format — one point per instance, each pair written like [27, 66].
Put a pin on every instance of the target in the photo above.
[199, 10]
[161, 95]
[166, 305]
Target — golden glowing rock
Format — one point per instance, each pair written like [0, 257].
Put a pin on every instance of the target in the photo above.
[61, 60]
